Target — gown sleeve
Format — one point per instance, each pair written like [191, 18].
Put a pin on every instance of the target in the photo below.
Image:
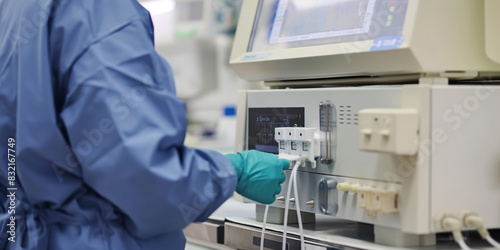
[126, 127]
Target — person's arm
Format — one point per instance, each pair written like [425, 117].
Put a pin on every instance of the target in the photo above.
[127, 128]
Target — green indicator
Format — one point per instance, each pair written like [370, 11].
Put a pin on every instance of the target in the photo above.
[295, 125]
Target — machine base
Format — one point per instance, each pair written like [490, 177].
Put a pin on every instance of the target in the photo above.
[276, 215]
[394, 237]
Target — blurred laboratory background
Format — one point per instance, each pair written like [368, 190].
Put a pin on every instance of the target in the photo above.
[196, 37]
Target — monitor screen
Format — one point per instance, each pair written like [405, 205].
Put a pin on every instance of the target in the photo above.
[299, 23]
[263, 121]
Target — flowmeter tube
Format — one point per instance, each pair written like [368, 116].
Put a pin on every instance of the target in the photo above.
[327, 116]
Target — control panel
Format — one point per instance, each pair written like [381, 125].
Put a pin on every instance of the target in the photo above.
[384, 157]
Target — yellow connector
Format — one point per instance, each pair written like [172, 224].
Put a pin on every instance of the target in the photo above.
[344, 187]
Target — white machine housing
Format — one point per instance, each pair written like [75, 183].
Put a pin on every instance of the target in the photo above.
[438, 83]
[457, 166]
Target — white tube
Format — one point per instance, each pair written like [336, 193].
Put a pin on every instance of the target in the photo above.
[473, 220]
[287, 203]
[263, 228]
[463, 245]
[454, 224]
[297, 207]
[493, 242]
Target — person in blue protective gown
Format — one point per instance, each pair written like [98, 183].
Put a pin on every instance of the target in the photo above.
[95, 132]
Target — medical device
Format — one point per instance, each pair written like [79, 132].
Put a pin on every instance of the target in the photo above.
[394, 103]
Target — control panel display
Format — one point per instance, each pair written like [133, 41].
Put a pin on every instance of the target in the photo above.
[263, 121]
[282, 24]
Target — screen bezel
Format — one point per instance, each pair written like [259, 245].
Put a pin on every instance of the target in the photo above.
[248, 18]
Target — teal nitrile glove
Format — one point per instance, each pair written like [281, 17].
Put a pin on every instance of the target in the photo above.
[259, 174]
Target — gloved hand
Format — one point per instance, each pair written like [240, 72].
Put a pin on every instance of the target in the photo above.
[259, 174]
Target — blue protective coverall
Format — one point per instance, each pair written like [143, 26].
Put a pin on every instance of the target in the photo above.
[98, 130]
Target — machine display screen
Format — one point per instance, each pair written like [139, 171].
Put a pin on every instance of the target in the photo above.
[261, 124]
[300, 23]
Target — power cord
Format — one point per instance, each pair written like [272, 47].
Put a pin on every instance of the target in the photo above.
[493, 242]
[454, 225]
[472, 220]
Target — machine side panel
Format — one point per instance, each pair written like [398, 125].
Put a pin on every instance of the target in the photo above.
[453, 42]
[492, 19]
[465, 152]
[414, 171]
